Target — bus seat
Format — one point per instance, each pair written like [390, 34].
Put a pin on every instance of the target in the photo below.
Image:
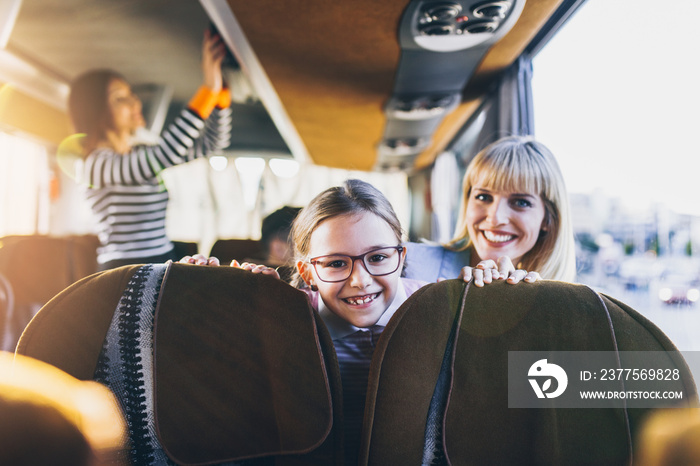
[37, 268]
[236, 371]
[227, 250]
[242, 356]
[185, 248]
[444, 357]
[250, 250]
[7, 309]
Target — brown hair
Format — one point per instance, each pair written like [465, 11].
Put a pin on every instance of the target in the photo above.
[88, 104]
[352, 197]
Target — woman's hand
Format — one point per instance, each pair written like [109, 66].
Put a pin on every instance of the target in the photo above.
[213, 53]
[255, 268]
[200, 259]
[487, 271]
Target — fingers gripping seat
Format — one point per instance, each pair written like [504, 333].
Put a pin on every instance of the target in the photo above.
[438, 389]
[210, 365]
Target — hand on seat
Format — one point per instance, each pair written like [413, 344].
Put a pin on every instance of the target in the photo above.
[200, 259]
[255, 268]
[489, 270]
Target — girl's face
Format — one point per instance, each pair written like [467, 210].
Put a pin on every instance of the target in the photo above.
[362, 298]
[503, 223]
[125, 107]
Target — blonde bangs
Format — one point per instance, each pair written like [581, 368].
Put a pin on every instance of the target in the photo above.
[510, 171]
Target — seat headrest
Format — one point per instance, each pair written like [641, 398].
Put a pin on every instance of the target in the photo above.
[228, 363]
[238, 367]
[444, 358]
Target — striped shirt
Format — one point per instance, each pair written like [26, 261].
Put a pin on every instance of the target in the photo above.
[127, 197]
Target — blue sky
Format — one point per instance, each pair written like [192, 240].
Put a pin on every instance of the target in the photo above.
[619, 106]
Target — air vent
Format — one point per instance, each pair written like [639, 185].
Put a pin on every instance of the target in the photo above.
[422, 108]
[478, 27]
[441, 11]
[442, 43]
[497, 9]
[437, 28]
[403, 146]
[453, 26]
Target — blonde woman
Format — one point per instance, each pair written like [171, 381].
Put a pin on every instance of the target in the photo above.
[514, 206]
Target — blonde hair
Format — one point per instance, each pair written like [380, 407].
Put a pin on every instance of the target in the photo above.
[352, 197]
[521, 164]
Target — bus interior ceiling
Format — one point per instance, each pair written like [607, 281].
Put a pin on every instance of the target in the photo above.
[362, 87]
[328, 70]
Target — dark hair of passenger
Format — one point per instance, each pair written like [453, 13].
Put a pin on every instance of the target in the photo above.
[278, 224]
[88, 104]
[351, 198]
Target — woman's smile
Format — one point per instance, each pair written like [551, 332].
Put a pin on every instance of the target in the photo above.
[502, 223]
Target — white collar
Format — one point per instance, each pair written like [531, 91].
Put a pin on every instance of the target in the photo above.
[339, 328]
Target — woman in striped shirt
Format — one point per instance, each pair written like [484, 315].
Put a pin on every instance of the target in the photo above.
[123, 188]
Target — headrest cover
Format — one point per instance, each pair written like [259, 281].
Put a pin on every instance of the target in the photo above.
[444, 355]
[238, 368]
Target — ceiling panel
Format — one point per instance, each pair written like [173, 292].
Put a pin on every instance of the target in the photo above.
[333, 64]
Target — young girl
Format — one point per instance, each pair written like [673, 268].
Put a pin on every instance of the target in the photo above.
[349, 259]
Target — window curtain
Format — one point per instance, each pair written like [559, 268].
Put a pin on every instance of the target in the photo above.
[208, 204]
[507, 111]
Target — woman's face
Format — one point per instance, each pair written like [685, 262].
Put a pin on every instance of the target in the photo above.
[503, 223]
[124, 107]
[362, 298]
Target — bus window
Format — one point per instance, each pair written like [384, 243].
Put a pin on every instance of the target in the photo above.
[621, 116]
[24, 177]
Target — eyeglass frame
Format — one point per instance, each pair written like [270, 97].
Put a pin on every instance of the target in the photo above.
[398, 248]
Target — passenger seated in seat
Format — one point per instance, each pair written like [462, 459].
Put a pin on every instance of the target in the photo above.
[349, 259]
[277, 247]
[275, 236]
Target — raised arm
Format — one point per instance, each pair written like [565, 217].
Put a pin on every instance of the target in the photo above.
[190, 136]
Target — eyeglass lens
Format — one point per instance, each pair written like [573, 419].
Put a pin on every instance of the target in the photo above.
[339, 267]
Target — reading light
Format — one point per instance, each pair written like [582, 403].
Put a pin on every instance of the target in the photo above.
[218, 162]
[403, 146]
[284, 168]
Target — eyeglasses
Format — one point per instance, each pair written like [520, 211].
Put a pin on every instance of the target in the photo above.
[338, 267]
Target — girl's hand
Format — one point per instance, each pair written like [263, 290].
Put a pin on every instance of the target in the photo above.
[200, 259]
[213, 53]
[488, 271]
[255, 268]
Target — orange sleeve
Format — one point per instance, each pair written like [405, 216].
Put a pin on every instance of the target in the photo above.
[224, 99]
[203, 102]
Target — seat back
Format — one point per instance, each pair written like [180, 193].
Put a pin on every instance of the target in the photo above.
[227, 250]
[223, 365]
[185, 248]
[38, 267]
[439, 379]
